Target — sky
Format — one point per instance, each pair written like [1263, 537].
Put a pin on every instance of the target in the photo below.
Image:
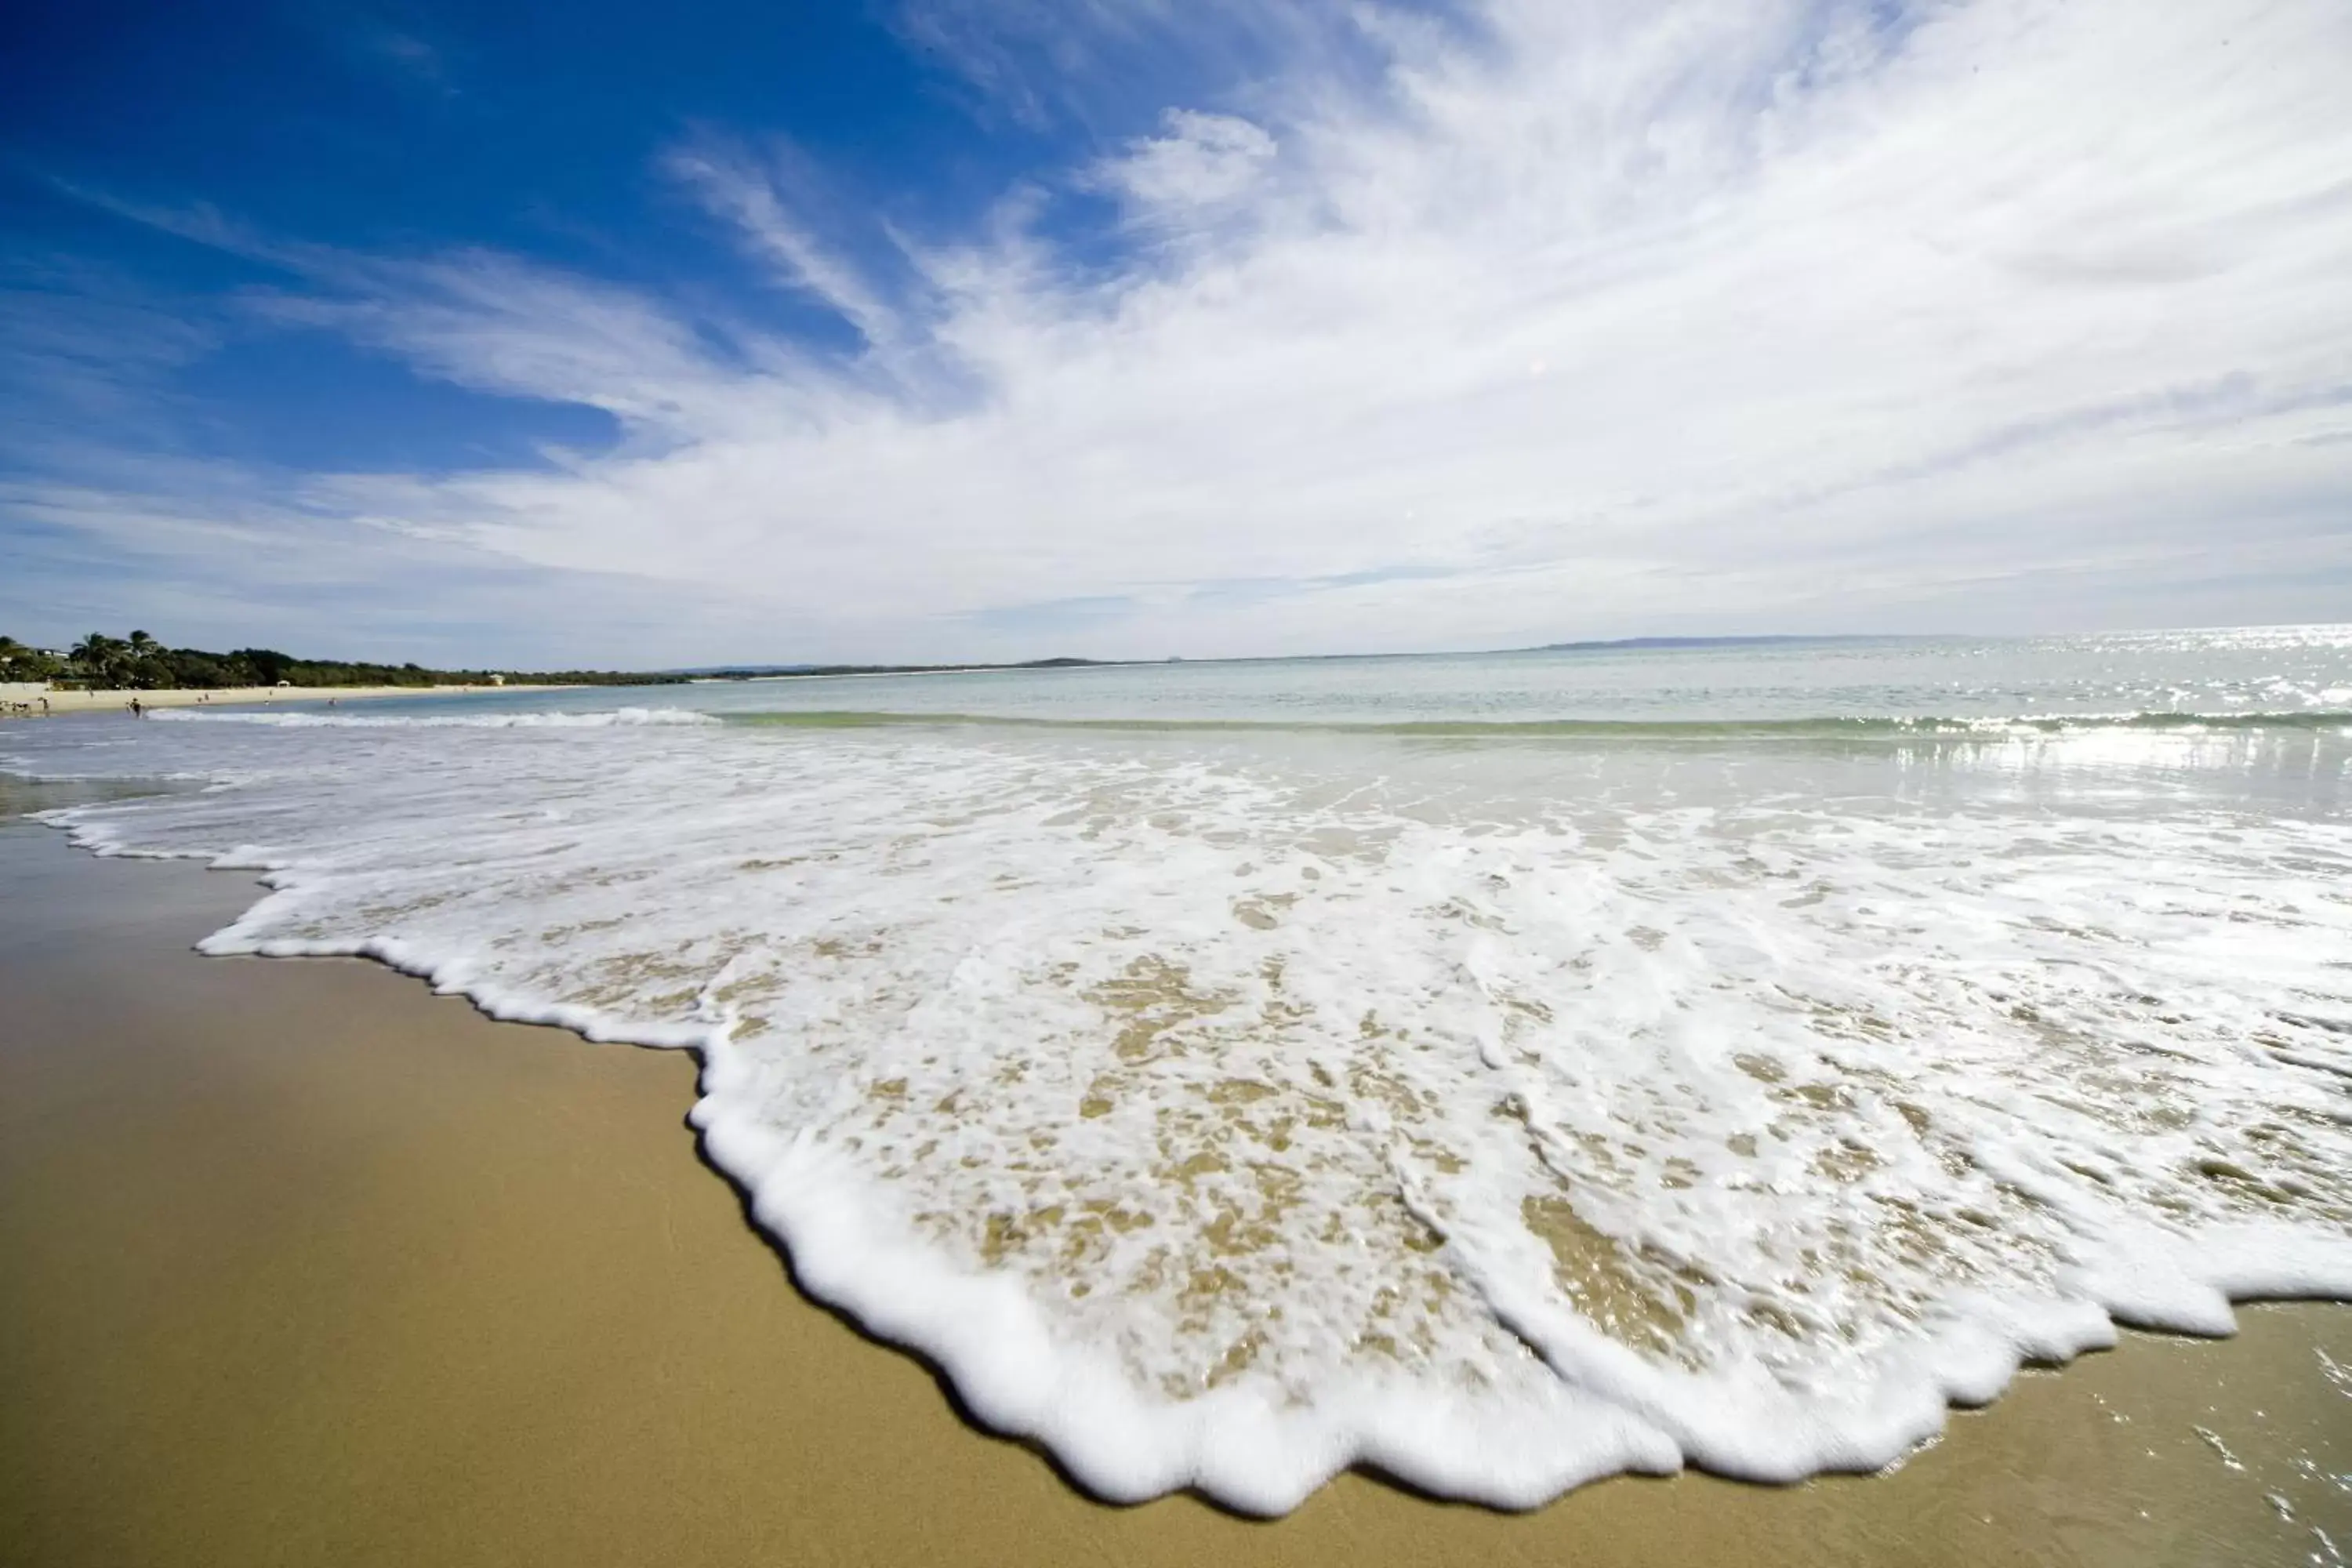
[924, 329]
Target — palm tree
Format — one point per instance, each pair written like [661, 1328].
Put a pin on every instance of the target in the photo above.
[98, 657]
[145, 663]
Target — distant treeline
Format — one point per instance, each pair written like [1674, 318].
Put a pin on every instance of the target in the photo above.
[140, 663]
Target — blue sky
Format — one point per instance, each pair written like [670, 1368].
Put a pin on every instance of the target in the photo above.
[1012, 327]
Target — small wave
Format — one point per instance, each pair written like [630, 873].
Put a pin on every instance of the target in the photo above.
[1813, 727]
[603, 720]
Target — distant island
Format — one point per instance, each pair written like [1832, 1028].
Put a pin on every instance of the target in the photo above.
[140, 663]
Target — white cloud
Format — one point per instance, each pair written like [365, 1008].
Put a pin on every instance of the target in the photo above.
[744, 191]
[1205, 164]
[491, 323]
[1592, 319]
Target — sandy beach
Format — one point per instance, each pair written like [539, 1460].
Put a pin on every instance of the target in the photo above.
[308, 1265]
[118, 702]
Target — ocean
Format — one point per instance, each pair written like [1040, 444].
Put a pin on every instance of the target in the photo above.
[1504, 1070]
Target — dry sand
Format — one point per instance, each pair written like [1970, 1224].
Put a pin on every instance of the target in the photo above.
[298, 1264]
[120, 701]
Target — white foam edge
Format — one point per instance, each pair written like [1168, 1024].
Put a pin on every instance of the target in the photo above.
[992, 1343]
[555, 719]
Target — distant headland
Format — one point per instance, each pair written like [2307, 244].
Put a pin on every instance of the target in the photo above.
[140, 663]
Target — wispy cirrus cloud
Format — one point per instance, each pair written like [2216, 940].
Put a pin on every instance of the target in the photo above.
[1039, 62]
[80, 344]
[1609, 318]
[755, 193]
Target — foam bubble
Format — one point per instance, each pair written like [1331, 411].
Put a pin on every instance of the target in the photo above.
[1224, 1111]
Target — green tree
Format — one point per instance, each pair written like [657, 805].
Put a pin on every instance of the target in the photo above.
[19, 662]
[268, 666]
[100, 660]
[148, 664]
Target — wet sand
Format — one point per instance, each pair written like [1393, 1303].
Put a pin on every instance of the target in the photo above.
[299, 1264]
[62, 702]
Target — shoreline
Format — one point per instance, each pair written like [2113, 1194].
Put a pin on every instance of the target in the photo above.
[302, 1229]
[63, 703]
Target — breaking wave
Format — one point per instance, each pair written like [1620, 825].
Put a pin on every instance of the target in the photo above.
[1829, 727]
[605, 719]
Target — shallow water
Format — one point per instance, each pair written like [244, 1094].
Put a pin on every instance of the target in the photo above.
[1734, 1058]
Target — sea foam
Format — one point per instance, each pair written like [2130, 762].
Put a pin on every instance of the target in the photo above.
[310, 719]
[1222, 1112]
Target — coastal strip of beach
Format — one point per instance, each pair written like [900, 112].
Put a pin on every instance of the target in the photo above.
[28, 701]
[306, 1265]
